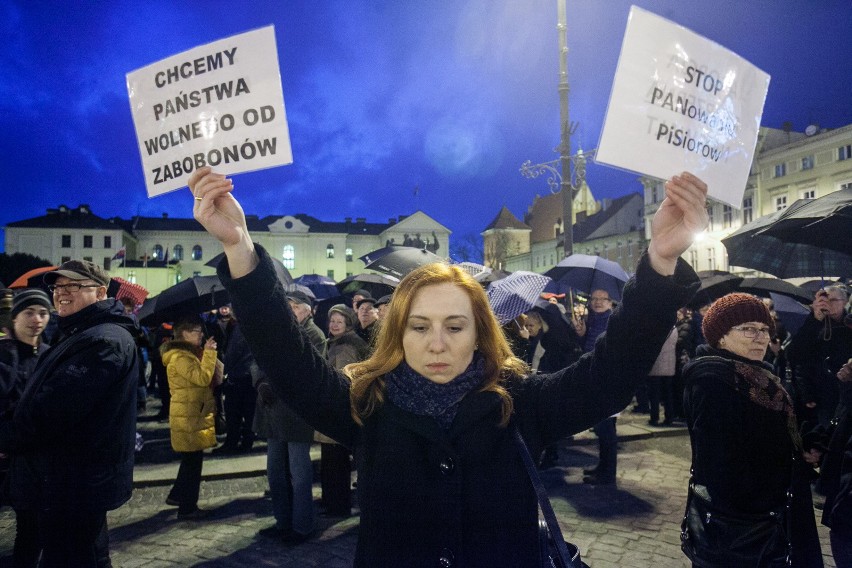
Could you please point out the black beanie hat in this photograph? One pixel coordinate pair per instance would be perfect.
(732, 310)
(29, 297)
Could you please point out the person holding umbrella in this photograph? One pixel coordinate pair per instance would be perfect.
(434, 410)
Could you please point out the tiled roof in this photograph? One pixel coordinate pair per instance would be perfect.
(505, 219)
(592, 223)
(66, 218)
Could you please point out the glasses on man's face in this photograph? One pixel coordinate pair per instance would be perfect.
(594, 299)
(71, 288)
(752, 332)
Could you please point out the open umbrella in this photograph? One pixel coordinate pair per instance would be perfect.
(398, 260)
(322, 286)
(825, 223)
(32, 278)
(764, 286)
(377, 285)
(191, 296)
(791, 313)
(750, 247)
(299, 288)
(586, 273)
(515, 294)
(714, 285)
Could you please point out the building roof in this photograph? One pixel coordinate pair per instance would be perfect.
(64, 217)
(584, 228)
(505, 219)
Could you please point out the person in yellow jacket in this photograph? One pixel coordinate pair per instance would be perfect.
(192, 410)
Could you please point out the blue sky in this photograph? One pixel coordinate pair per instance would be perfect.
(448, 96)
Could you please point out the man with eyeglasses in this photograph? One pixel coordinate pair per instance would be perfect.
(818, 350)
(74, 428)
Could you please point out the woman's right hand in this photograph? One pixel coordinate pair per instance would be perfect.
(221, 215)
(210, 344)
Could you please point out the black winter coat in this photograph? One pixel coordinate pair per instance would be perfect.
(743, 452)
(461, 497)
(74, 429)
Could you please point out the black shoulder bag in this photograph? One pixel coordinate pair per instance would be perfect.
(555, 552)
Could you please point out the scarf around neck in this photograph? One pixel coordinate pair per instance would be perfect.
(413, 392)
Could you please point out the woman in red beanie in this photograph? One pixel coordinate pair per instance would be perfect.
(749, 501)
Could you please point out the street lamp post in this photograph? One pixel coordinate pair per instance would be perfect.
(566, 182)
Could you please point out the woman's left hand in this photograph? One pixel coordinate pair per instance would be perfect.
(681, 216)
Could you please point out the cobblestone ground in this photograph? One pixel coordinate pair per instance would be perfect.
(636, 524)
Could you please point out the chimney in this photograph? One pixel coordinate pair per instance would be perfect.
(84, 209)
(348, 220)
(360, 220)
(165, 215)
(392, 221)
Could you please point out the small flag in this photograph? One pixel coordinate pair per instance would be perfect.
(166, 256)
(120, 254)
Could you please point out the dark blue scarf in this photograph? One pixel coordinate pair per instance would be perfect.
(411, 391)
(595, 325)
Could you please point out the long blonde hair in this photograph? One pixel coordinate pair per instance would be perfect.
(367, 392)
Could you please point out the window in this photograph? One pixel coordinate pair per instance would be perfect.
(348, 255)
(329, 251)
(196, 273)
(693, 259)
(87, 241)
(710, 217)
(177, 252)
(845, 186)
(330, 273)
(157, 252)
(711, 258)
(66, 241)
(809, 194)
(65, 259)
(844, 152)
(808, 162)
(288, 257)
(629, 248)
(619, 250)
(780, 170)
(131, 277)
(107, 263)
(780, 202)
(654, 196)
(107, 242)
(88, 258)
(748, 210)
(606, 251)
(727, 216)
(196, 252)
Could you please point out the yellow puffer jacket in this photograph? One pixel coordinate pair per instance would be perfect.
(192, 410)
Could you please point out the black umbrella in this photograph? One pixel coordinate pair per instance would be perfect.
(377, 285)
(398, 260)
(188, 297)
(791, 313)
(825, 223)
(322, 286)
(587, 273)
(751, 248)
(714, 285)
(763, 286)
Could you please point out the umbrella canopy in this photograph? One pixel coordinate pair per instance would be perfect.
(191, 296)
(398, 261)
(750, 247)
(515, 294)
(764, 286)
(377, 285)
(586, 273)
(714, 285)
(120, 288)
(299, 288)
(816, 284)
(321, 286)
(825, 223)
(791, 313)
(32, 278)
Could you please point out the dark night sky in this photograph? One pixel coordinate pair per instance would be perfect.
(449, 96)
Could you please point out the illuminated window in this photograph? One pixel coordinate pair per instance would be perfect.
(808, 162)
(780, 170)
(348, 255)
(288, 257)
(196, 252)
(329, 251)
(157, 252)
(727, 216)
(748, 210)
(780, 202)
(177, 253)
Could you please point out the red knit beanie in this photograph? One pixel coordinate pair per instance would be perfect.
(732, 310)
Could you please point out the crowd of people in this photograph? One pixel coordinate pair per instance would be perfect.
(420, 392)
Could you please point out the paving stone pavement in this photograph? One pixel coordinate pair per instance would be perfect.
(633, 525)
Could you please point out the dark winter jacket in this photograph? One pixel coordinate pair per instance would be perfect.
(742, 452)
(459, 497)
(74, 429)
(560, 342)
(17, 361)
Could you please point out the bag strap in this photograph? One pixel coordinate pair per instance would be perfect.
(543, 500)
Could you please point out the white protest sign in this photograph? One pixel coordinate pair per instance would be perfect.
(682, 102)
(218, 105)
